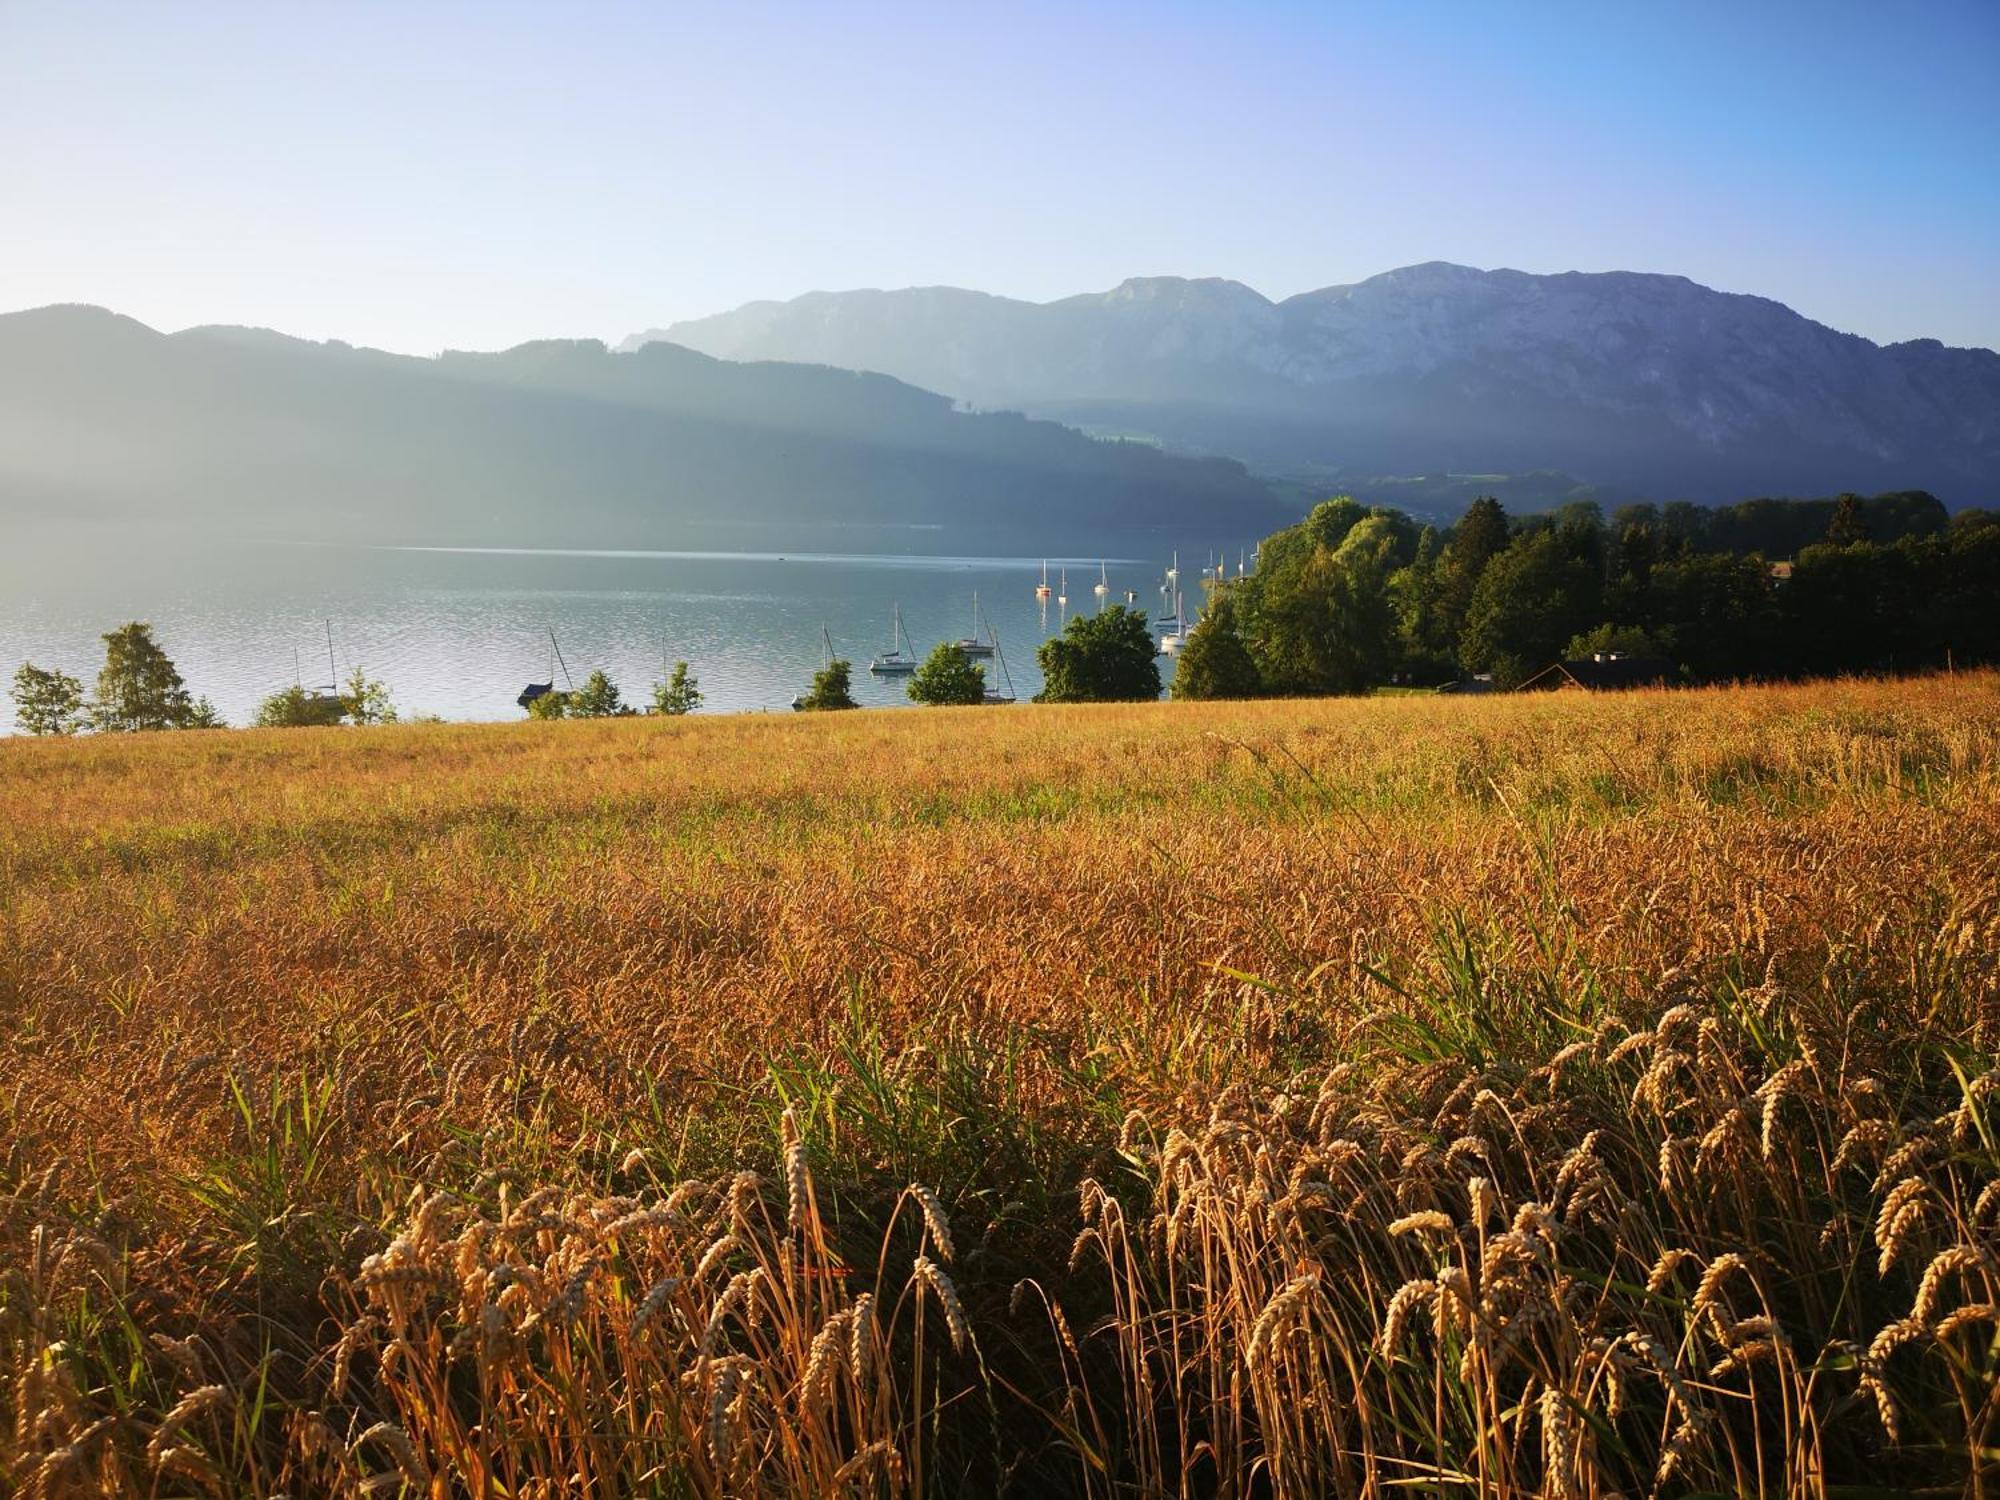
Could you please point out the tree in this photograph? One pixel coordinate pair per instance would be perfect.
(679, 694)
(1848, 525)
(1328, 523)
(1423, 649)
(1213, 661)
(139, 687)
(365, 701)
(1101, 658)
(48, 702)
(831, 687)
(1580, 529)
(295, 708)
(550, 705)
(947, 677)
(1319, 619)
(1479, 537)
(1716, 613)
(1531, 600)
(596, 699)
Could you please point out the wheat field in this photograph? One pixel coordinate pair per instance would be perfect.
(1562, 1095)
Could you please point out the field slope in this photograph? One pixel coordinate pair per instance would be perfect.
(1562, 1095)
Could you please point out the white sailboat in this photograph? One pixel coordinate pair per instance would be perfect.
(993, 694)
(1102, 586)
(977, 644)
(826, 660)
(1042, 589)
(1062, 595)
(898, 660)
(1173, 632)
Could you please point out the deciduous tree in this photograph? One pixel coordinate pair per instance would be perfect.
(1213, 661)
(1100, 658)
(48, 702)
(680, 694)
(947, 677)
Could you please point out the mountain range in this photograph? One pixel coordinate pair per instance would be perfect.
(1642, 383)
(553, 444)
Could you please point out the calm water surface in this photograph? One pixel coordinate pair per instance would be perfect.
(458, 632)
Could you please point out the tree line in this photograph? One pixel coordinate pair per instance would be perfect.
(140, 688)
(1353, 598)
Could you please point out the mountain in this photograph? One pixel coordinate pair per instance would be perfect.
(1643, 383)
(555, 443)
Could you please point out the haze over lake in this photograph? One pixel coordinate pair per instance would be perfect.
(458, 632)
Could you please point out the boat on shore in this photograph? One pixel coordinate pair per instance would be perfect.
(538, 690)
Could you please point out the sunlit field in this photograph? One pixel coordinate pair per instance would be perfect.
(1566, 1095)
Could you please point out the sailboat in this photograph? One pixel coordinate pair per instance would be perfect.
(1062, 594)
(1042, 589)
(976, 644)
(825, 661)
(898, 660)
(536, 690)
(325, 702)
(994, 694)
(1173, 632)
(1102, 586)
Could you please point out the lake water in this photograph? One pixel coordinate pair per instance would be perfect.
(458, 632)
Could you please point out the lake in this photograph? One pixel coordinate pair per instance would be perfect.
(457, 632)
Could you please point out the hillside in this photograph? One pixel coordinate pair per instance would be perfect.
(1646, 384)
(559, 443)
(1303, 1095)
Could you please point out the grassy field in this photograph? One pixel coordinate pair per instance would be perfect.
(1561, 1095)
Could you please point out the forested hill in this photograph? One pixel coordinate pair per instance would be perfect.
(1637, 384)
(559, 443)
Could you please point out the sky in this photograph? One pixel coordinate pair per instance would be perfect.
(420, 176)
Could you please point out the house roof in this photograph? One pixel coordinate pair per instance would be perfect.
(1607, 669)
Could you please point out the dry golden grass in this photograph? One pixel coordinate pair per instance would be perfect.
(1565, 1095)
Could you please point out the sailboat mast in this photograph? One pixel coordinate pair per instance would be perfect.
(1006, 676)
(568, 681)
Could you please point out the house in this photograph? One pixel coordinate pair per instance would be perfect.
(1603, 671)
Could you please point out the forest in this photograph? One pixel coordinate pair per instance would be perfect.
(1353, 599)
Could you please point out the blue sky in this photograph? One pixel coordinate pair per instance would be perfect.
(422, 176)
